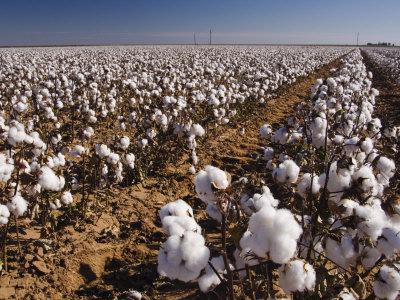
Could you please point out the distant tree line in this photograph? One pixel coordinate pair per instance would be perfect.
(383, 44)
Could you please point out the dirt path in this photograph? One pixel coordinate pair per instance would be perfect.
(116, 248)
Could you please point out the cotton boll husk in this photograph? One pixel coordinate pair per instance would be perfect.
(4, 214)
(297, 275)
(176, 208)
(177, 225)
(387, 284)
(17, 206)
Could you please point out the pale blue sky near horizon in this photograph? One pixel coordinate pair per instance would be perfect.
(71, 22)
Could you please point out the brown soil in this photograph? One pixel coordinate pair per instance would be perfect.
(115, 248)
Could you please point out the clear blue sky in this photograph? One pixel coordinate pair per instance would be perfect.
(41, 22)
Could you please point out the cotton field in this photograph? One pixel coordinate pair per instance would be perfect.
(108, 151)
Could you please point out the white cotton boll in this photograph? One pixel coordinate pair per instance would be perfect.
(369, 257)
(258, 201)
(17, 206)
(183, 257)
(338, 139)
(265, 131)
(113, 158)
(130, 160)
(286, 172)
(6, 167)
(297, 275)
(372, 220)
(48, 180)
(213, 212)
(268, 153)
(367, 145)
(304, 185)
(387, 284)
(272, 232)
(192, 170)
(346, 295)
(334, 252)
(210, 279)
(386, 167)
(349, 206)
(66, 198)
(104, 170)
(389, 242)
(102, 150)
(177, 225)
(197, 130)
(365, 176)
(208, 178)
(16, 134)
(178, 208)
(55, 205)
(124, 143)
(143, 143)
(280, 136)
(77, 151)
(4, 214)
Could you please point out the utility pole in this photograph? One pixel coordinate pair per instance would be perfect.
(210, 36)
(194, 38)
(357, 37)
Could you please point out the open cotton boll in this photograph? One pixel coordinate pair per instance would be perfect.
(372, 220)
(66, 198)
(387, 283)
(213, 212)
(265, 131)
(16, 134)
(4, 214)
(259, 201)
(272, 233)
(365, 176)
(297, 275)
(6, 167)
(386, 167)
(367, 145)
(77, 151)
(48, 180)
(177, 225)
(130, 160)
(124, 143)
(192, 170)
(209, 280)
(17, 206)
(342, 253)
(369, 257)
(286, 172)
(208, 178)
(346, 295)
(268, 153)
(183, 257)
(304, 185)
(102, 150)
(389, 241)
(55, 205)
(197, 130)
(178, 208)
(113, 158)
